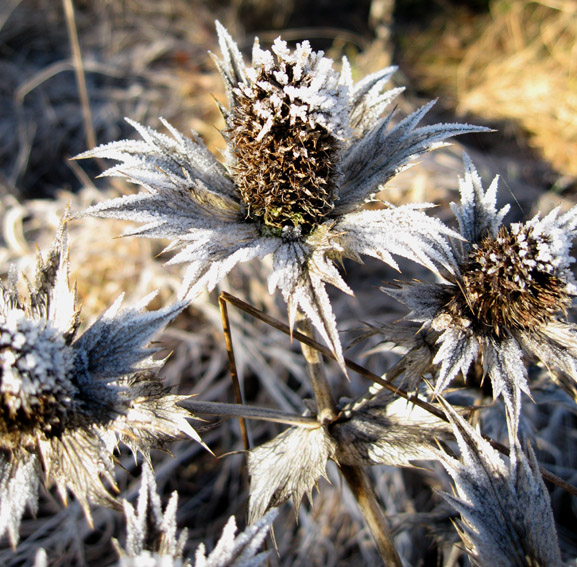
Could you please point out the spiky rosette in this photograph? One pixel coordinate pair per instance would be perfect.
(506, 516)
(64, 399)
(505, 298)
(306, 149)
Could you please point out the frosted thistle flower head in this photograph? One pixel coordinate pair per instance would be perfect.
(506, 296)
(152, 541)
(67, 400)
(306, 148)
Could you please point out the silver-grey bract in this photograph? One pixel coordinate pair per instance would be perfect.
(306, 149)
(151, 539)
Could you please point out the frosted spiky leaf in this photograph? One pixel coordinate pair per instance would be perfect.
(303, 156)
(288, 467)
(367, 434)
(506, 516)
(151, 538)
(239, 551)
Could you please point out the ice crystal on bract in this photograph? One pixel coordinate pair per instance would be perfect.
(67, 400)
(506, 516)
(306, 148)
(504, 298)
(152, 540)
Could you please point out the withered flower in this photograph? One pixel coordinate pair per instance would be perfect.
(306, 148)
(506, 296)
(67, 400)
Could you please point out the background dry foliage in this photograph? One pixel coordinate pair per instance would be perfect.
(512, 64)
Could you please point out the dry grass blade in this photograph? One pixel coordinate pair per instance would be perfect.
(79, 70)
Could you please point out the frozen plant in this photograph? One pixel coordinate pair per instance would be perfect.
(151, 539)
(503, 297)
(306, 149)
(66, 400)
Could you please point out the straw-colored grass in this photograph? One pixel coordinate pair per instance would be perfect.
(518, 62)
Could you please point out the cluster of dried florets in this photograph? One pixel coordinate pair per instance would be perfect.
(306, 149)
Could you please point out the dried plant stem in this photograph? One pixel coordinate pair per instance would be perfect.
(355, 477)
(249, 412)
(254, 312)
(79, 70)
(304, 339)
(232, 367)
(372, 512)
(326, 407)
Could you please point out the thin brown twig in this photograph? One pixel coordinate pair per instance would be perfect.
(355, 477)
(257, 314)
(232, 368)
(79, 71)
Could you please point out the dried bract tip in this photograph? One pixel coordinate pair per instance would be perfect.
(152, 542)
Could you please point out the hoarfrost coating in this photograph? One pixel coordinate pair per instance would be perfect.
(66, 401)
(505, 296)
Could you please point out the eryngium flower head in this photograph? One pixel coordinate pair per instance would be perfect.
(66, 401)
(506, 295)
(305, 150)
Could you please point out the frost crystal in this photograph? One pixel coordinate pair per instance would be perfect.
(64, 398)
(306, 148)
(152, 541)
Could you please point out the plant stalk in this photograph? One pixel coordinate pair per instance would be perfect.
(360, 486)
(355, 477)
(326, 407)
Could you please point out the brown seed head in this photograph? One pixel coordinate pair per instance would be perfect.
(508, 283)
(284, 161)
